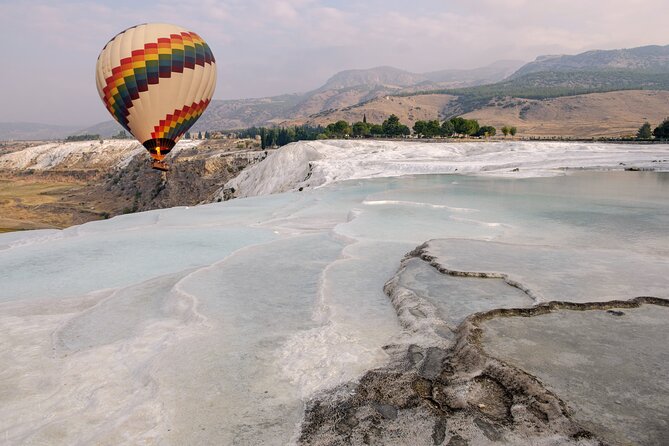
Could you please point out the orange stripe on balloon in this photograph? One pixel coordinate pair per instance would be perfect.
(172, 126)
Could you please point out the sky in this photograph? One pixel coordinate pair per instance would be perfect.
(265, 48)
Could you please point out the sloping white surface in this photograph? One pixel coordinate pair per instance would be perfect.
(79, 154)
(309, 164)
(213, 324)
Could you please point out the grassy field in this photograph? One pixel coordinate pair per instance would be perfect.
(27, 203)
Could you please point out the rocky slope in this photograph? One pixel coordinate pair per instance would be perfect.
(196, 174)
(61, 184)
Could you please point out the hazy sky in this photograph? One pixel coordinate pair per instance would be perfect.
(270, 47)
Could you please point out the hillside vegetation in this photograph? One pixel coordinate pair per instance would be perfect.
(546, 85)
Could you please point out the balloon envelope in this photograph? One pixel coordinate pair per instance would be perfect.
(156, 80)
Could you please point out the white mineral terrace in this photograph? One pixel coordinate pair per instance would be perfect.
(215, 324)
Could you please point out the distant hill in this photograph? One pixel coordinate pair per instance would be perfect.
(643, 68)
(344, 89)
(597, 93)
(478, 76)
(554, 84)
(354, 93)
(611, 114)
(105, 129)
(26, 131)
(649, 59)
(379, 76)
(33, 131)
(409, 109)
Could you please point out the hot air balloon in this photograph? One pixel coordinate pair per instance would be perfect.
(156, 80)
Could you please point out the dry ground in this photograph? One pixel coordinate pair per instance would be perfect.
(39, 202)
(613, 114)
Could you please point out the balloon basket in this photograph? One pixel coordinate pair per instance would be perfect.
(160, 165)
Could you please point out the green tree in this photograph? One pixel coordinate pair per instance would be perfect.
(459, 125)
(506, 130)
(187, 135)
(269, 137)
(513, 131)
(343, 128)
(338, 129)
(662, 130)
(428, 129)
(199, 135)
(360, 129)
(432, 128)
(645, 131)
(471, 127)
(282, 137)
(486, 131)
(447, 128)
(419, 128)
(207, 135)
(364, 118)
(393, 127)
(464, 126)
(376, 129)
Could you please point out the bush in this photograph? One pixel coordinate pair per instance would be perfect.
(662, 130)
(644, 131)
(486, 130)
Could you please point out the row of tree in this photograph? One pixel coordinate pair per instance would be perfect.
(390, 128)
(457, 126)
(280, 136)
(83, 137)
(206, 135)
(660, 132)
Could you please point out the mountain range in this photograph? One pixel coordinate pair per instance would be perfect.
(344, 89)
(650, 59)
(379, 91)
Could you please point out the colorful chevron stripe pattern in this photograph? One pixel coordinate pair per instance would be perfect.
(175, 124)
(156, 80)
(147, 65)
